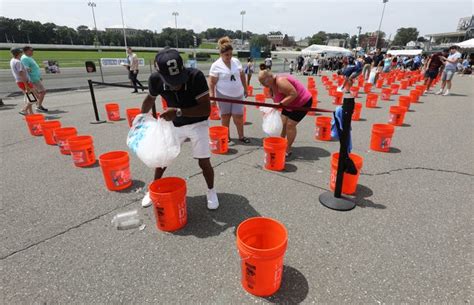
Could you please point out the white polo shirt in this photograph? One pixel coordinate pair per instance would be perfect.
(228, 82)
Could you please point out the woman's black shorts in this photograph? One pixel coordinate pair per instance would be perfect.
(298, 115)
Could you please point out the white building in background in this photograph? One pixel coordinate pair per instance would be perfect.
(276, 40)
(336, 42)
(415, 45)
(119, 29)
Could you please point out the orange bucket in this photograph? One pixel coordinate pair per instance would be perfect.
(34, 123)
(357, 110)
(61, 135)
(397, 115)
(314, 104)
(349, 183)
(249, 90)
(169, 203)
(218, 139)
(131, 114)
(275, 149)
(395, 88)
(367, 88)
(323, 128)
(113, 112)
(355, 91)
(386, 93)
(48, 128)
(214, 113)
(164, 103)
(422, 88)
(381, 137)
(403, 84)
(115, 167)
(371, 100)
(415, 95)
(379, 83)
(404, 101)
(262, 244)
(338, 98)
(82, 150)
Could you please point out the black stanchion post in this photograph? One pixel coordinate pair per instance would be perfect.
(153, 110)
(94, 104)
(336, 201)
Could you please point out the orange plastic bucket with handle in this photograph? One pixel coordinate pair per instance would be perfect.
(404, 101)
(219, 139)
(48, 127)
(381, 137)
(371, 100)
(349, 183)
(395, 88)
(415, 95)
(33, 121)
(338, 98)
(314, 103)
(404, 84)
(113, 112)
(322, 131)
(61, 135)
(379, 83)
(115, 167)
(367, 88)
(386, 93)
(169, 203)
(355, 91)
(397, 115)
(275, 150)
(266, 92)
(131, 114)
(357, 111)
(215, 116)
(262, 243)
(82, 150)
(164, 103)
(249, 90)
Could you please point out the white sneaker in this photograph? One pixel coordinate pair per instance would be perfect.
(439, 92)
(212, 200)
(146, 201)
(446, 93)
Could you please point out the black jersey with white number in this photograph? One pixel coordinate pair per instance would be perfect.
(186, 97)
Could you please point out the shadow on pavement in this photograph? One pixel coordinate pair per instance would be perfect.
(361, 198)
(204, 223)
(290, 168)
(394, 150)
(57, 111)
(136, 184)
(308, 154)
(294, 288)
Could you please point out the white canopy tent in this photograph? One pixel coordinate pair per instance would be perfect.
(405, 52)
(467, 44)
(328, 51)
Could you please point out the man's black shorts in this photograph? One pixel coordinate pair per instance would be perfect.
(297, 116)
(431, 73)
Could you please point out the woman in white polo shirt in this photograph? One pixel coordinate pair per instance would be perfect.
(227, 80)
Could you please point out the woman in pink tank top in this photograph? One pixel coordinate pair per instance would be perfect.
(287, 91)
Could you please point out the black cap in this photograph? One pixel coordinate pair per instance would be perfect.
(170, 67)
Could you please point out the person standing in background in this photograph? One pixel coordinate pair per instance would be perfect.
(249, 69)
(133, 70)
(21, 78)
(450, 66)
(34, 74)
(315, 65)
(227, 80)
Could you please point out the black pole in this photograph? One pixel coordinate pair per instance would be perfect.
(336, 201)
(153, 110)
(94, 104)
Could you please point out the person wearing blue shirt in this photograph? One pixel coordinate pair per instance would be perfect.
(34, 73)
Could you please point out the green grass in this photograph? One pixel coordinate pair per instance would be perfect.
(75, 58)
(208, 45)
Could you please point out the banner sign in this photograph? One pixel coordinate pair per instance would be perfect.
(109, 62)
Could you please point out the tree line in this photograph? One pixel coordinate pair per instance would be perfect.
(27, 31)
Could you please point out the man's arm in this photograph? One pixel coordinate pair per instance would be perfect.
(203, 108)
(148, 102)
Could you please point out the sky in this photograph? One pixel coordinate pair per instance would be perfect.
(295, 18)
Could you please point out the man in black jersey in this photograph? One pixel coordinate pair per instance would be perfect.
(187, 94)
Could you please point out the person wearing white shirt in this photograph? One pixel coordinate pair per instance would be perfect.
(227, 80)
(315, 65)
(449, 69)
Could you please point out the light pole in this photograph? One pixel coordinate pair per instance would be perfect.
(92, 5)
(176, 14)
(123, 27)
(380, 24)
(242, 37)
(358, 35)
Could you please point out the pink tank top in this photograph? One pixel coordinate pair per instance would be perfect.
(303, 94)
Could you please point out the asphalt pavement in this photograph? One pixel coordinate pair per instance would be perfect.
(409, 239)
